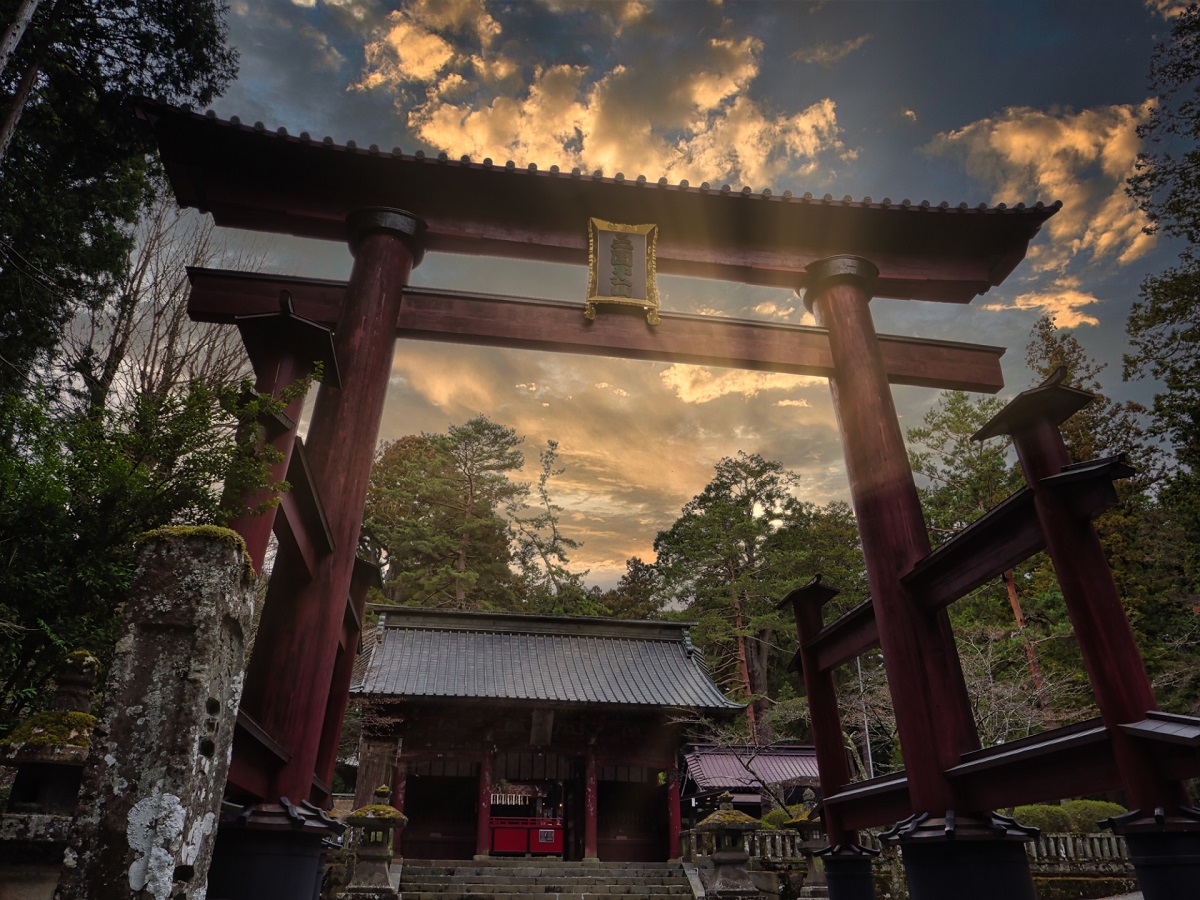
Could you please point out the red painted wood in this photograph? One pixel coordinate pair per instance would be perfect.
(1110, 654)
(483, 825)
(287, 185)
(399, 785)
(674, 820)
(847, 637)
(290, 673)
(832, 766)
(522, 323)
(275, 368)
(590, 804)
(343, 672)
(933, 713)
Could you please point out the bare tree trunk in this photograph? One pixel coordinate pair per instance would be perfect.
(20, 98)
(12, 35)
(1035, 671)
(743, 666)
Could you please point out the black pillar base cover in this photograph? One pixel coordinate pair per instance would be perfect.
(849, 877)
(975, 869)
(250, 865)
(1167, 863)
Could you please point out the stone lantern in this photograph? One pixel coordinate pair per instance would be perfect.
(811, 842)
(731, 876)
(375, 826)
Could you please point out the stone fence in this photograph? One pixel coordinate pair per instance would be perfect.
(1050, 854)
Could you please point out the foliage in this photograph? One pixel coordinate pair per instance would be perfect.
(78, 168)
(454, 529)
(1049, 818)
(1164, 324)
(542, 550)
(638, 595)
(1086, 815)
(713, 560)
(76, 491)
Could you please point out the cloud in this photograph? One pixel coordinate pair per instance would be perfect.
(1168, 9)
(826, 54)
(699, 384)
(1081, 158)
(650, 101)
(909, 115)
(774, 310)
(1063, 302)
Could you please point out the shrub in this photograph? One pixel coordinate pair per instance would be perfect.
(1049, 818)
(1086, 814)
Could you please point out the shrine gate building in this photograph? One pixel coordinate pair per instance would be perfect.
(533, 735)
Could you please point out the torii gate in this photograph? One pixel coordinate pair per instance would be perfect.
(392, 207)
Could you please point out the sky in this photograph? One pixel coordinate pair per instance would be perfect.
(960, 100)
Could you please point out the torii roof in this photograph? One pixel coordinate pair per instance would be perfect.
(260, 179)
(426, 654)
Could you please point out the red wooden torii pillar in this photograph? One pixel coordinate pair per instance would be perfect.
(933, 711)
(303, 652)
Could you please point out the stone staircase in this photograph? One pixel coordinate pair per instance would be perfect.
(548, 879)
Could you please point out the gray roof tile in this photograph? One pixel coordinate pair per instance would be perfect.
(431, 653)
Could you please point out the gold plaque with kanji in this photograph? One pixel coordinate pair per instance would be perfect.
(621, 267)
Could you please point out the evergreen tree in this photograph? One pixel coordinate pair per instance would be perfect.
(713, 560)
(1164, 324)
(435, 508)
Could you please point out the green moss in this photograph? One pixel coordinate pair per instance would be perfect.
(378, 811)
(54, 727)
(82, 659)
(172, 533)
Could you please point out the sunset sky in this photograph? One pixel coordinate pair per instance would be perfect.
(959, 100)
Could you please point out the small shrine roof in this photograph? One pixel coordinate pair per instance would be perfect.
(426, 654)
(716, 768)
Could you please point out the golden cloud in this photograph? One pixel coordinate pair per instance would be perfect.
(1168, 9)
(1080, 158)
(700, 384)
(683, 111)
(1063, 303)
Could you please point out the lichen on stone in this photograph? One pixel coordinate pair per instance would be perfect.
(60, 727)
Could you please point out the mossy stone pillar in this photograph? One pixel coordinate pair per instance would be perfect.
(152, 784)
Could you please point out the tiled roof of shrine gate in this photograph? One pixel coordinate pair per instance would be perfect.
(715, 768)
(431, 653)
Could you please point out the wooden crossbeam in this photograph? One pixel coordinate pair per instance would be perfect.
(845, 638)
(1075, 759)
(292, 185)
(1009, 534)
(516, 322)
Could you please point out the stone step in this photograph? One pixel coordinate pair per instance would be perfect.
(575, 877)
(458, 894)
(509, 878)
(517, 887)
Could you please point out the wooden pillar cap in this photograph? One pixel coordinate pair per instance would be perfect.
(408, 227)
(835, 269)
